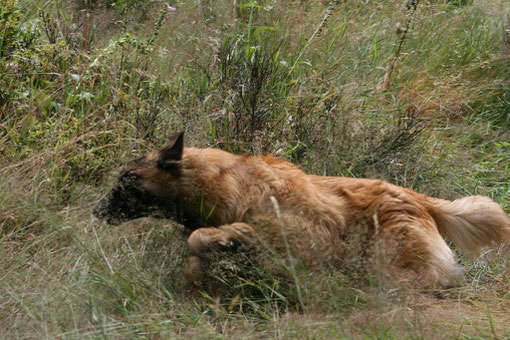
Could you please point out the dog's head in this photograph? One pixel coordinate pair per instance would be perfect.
(147, 186)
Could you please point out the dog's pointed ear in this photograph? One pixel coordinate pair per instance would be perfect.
(171, 154)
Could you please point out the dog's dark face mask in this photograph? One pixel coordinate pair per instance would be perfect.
(135, 195)
(129, 200)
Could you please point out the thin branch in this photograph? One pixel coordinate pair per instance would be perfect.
(413, 5)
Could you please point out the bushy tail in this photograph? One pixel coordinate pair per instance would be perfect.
(472, 222)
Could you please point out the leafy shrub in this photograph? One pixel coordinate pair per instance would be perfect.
(251, 86)
(15, 34)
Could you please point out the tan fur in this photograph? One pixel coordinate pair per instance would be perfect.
(319, 218)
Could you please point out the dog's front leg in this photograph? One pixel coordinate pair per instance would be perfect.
(204, 240)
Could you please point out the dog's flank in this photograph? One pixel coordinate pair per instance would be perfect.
(228, 199)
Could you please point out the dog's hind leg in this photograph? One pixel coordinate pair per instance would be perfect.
(407, 245)
(224, 237)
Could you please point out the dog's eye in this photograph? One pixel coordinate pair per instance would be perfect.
(128, 177)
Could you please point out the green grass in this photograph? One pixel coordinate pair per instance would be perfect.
(302, 80)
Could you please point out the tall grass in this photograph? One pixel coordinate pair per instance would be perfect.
(301, 80)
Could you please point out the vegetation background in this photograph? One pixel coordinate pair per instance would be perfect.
(416, 93)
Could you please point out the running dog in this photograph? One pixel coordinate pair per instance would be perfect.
(226, 200)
